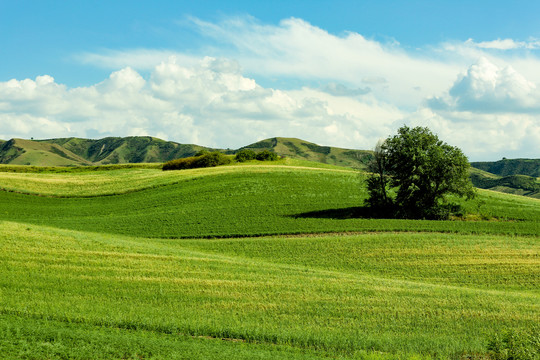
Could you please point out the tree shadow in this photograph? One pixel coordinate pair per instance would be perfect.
(357, 212)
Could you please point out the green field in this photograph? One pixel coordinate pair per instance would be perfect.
(253, 262)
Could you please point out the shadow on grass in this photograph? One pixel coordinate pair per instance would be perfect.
(357, 212)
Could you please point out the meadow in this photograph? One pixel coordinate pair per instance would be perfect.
(253, 261)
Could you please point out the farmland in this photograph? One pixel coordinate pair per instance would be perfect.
(253, 261)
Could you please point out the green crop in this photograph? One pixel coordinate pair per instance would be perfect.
(134, 263)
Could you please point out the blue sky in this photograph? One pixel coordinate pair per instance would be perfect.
(228, 73)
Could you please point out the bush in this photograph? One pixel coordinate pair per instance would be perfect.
(266, 155)
(245, 155)
(207, 160)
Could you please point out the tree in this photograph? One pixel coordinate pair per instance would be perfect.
(424, 170)
(377, 182)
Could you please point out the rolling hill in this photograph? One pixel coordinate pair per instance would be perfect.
(143, 149)
(514, 176)
(301, 149)
(29, 152)
(511, 184)
(506, 167)
(253, 260)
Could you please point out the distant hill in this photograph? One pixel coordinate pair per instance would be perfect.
(511, 184)
(300, 149)
(134, 149)
(29, 152)
(515, 176)
(506, 167)
(81, 152)
(145, 149)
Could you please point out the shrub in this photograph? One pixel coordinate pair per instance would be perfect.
(245, 155)
(266, 155)
(202, 152)
(211, 159)
(207, 160)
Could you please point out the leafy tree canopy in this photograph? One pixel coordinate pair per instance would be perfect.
(422, 169)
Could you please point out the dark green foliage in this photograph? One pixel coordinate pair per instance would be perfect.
(245, 155)
(268, 143)
(318, 149)
(506, 167)
(206, 160)
(424, 170)
(8, 151)
(202, 152)
(513, 345)
(377, 185)
(522, 182)
(295, 149)
(266, 155)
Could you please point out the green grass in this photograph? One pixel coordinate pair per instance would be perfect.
(110, 284)
(231, 201)
(119, 262)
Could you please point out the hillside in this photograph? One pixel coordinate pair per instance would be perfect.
(300, 149)
(145, 149)
(28, 152)
(511, 184)
(134, 149)
(506, 167)
(514, 176)
(277, 261)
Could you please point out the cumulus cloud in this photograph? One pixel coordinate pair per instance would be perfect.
(295, 49)
(353, 90)
(211, 103)
(487, 88)
(489, 111)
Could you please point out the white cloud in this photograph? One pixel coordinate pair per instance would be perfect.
(505, 44)
(348, 91)
(487, 88)
(484, 136)
(295, 49)
(490, 111)
(211, 104)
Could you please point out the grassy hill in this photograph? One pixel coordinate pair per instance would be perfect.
(511, 184)
(507, 167)
(116, 150)
(267, 261)
(143, 149)
(28, 152)
(300, 149)
(508, 176)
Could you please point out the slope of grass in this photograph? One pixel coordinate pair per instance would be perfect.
(91, 181)
(232, 201)
(506, 167)
(88, 268)
(26, 152)
(511, 184)
(151, 295)
(305, 150)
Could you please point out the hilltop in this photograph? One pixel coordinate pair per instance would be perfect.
(145, 149)
(506, 167)
(514, 176)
